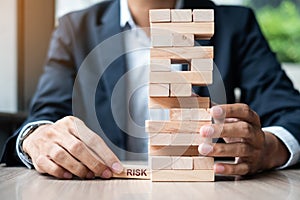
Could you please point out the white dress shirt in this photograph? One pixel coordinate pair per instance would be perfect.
(138, 63)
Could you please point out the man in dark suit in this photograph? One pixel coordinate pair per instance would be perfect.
(72, 130)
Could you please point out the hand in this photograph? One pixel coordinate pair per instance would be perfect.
(69, 148)
(253, 149)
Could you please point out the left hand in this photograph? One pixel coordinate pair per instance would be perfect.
(253, 149)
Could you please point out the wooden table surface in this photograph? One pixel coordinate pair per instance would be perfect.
(25, 184)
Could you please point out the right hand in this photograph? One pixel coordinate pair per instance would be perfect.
(68, 147)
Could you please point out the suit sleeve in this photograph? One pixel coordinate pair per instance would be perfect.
(53, 97)
(264, 85)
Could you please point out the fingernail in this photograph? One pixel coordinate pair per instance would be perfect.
(219, 169)
(90, 175)
(117, 167)
(206, 131)
(217, 111)
(106, 174)
(68, 175)
(204, 148)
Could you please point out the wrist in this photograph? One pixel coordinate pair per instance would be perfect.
(276, 154)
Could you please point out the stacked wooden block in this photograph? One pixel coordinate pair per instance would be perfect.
(174, 143)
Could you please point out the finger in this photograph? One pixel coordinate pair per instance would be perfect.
(97, 145)
(239, 111)
(225, 150)
(62, 158)
(47, 166)
(82, 153)
(232, 169)
(239, 129)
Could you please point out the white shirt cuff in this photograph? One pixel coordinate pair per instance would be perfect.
(24, 131)
(290, 142)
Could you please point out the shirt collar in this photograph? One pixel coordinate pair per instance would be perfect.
(125, 15)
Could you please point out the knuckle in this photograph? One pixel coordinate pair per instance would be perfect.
(58, 155)
(246, 109)
(98, 168)
(57, 171)
(39, 161)
(219, 149)
(244, 149)
(246, 127)
(77, 148)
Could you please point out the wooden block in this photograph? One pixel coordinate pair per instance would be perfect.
(134, 172)
(182, 175)
(183, 40)
(157, 139)
(202, 78)
(203, 30)
(173, 151)
(188, 139)
(201, 162)
(203, 15)
(202, 64)
(159, 90)
(182, 162)
(178, 102)
(164, 40)
(182, 53)
(160, 15)
(193, 114)
(180, 90)
(161, 162)
(174, 126)
(160, 65)
(181, 15)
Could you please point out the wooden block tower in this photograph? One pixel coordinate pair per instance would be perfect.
(174, 143)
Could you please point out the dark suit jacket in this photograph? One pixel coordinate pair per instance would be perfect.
(242, 55)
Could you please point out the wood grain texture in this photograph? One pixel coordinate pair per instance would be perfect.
(182, 53)
(23, 183)
(159, 90)
(203, 15)
(180, 90)
(202, 78)
(183, 175)
(178, 102)
(201, 162)
(202, 64)
(173, 151)
(160, 65)
(182, 162)
(160, 15)
(174, 126)
(162, 40)
(188, 139)
(181, 15)
(160, 139)
(192, 114)
(161, 162)
(183, 40)
(204, 30)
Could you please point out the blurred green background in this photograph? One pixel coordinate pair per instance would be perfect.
(280, 23)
